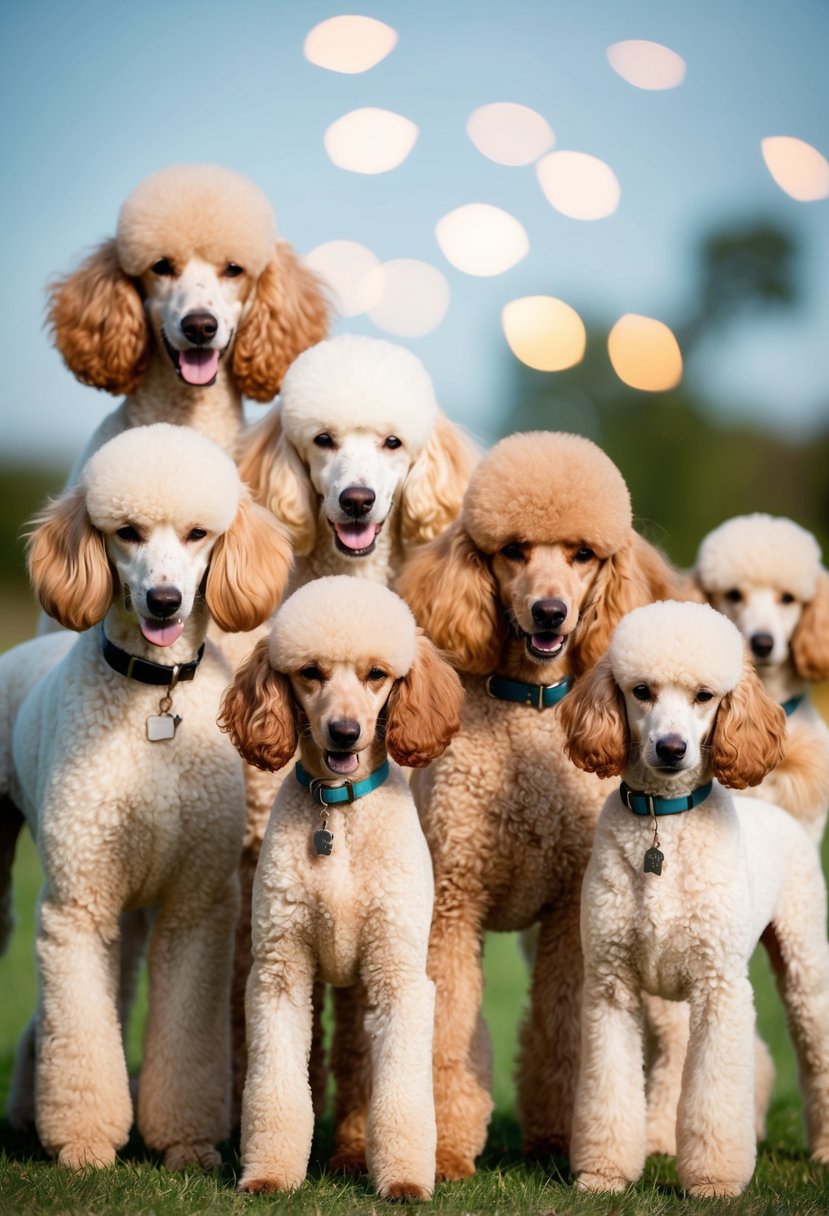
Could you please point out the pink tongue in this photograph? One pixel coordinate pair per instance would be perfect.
(340, 763)
(546, 641)
(356, 536)
(162, 633)
(198, 366)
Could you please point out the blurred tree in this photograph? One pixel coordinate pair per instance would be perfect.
(25, 491)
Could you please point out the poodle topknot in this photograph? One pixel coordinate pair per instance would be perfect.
(768, 550)
(161, 472)
(346, 619)
(195, 210)
(547, 487)
(357, 381)
(684, 643)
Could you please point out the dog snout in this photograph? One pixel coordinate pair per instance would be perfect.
(357, 500)
(549, 614)
(343, 732)
(671, 748)
(163, 601)
(762, 645)
(199, 327)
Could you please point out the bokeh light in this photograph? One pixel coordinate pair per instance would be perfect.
(481, 239)
(543, 332)
(578, 185)
(345, 267)
(647, 65)
(370, 140)
(509, 133)
(349, 44)
(644, 353)
(412, 297)
(797, 167)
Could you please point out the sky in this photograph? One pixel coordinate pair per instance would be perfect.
(98, 93)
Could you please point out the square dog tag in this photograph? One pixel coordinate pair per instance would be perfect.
(161, 726)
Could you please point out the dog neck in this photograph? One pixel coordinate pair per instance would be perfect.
(640, 777)
(121, 628)
(215, 410)
(782, 681)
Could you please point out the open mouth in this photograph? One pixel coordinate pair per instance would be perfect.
(197, 366)
(162, 632)
(355, 539)
(343, 764)
(545, 646)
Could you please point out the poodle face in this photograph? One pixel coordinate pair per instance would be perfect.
(542, 588)
(767, 619)
(669, 725)
(342, 703)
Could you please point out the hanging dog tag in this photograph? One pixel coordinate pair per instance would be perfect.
(323, 841)
(653, 861)
(162, 726)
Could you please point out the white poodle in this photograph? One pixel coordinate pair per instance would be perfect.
(682, 882)
(764, 573)
(134, 796)
(344, 885)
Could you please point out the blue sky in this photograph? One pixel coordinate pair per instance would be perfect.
(98, 93)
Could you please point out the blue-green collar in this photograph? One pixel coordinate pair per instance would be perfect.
(349, 791)
(792, 704)
(652, 804)
(540, 696)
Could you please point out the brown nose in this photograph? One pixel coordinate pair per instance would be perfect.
(762, 645)
(163, 601)
(199, 327)
(671, 749)
(344, 732)
(549, 614)
(357, 500)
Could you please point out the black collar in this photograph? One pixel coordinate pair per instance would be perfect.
(145, 671)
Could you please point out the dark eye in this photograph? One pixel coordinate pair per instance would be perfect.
(583, 554)
(786, 598)
(703, 694)
(163, 267)
(324, 440)
(391, 441)
(311, 672)
(734, 595)
(232, 271)
(129, 533)
(376, 674)
(197, 534)
(513, 552)
(642, 692)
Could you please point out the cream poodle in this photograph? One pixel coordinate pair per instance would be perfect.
(134, 796)
(344, 887)
(764, 572)
(683, 881)
(192, 304)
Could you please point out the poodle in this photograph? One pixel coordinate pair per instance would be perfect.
(344, 886)
(764, 573)
(522, 593)
(134, 796)
(682, 882)
(193, 303)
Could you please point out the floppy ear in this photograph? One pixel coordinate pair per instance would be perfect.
(68, 563)
(636, 574)
(98, 323)
(810, 641)
(279, 480)
(748, 739)
(423, 711)
(434, 488)
(289, 313)
(595, 724)
(259, 713)
(248, 569)
(450, 589)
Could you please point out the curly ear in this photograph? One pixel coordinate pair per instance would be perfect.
(249, 568)
(810, 641)
(434, 488)
(423, 711)
(259, 713)
(68, 563)
(97, 320)
(749, 735)
(595, 724)
(636, 574)
(289, 313)
(450, 589)
(278, 479)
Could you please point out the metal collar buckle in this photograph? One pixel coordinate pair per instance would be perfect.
(317, 786)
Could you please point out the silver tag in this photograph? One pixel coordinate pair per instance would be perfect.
(653, 861)
(162, 726)
(323, 841)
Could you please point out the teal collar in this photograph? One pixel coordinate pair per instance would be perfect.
(540, 696)
(792, 704)
(349, 791)
(652, 804)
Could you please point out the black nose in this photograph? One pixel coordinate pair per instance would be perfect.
(199, 327)
(762, 645)
(163, 601)
(671, 749)
(549, 614)
(357, 500)
(344, 732)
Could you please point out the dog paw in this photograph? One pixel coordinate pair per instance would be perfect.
(199, 1153)
(595, 1182)
(349, 1159)
(259, 1185)
(404, 1192)
(92, 1156)
(451, 1166)
(716, 1188)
